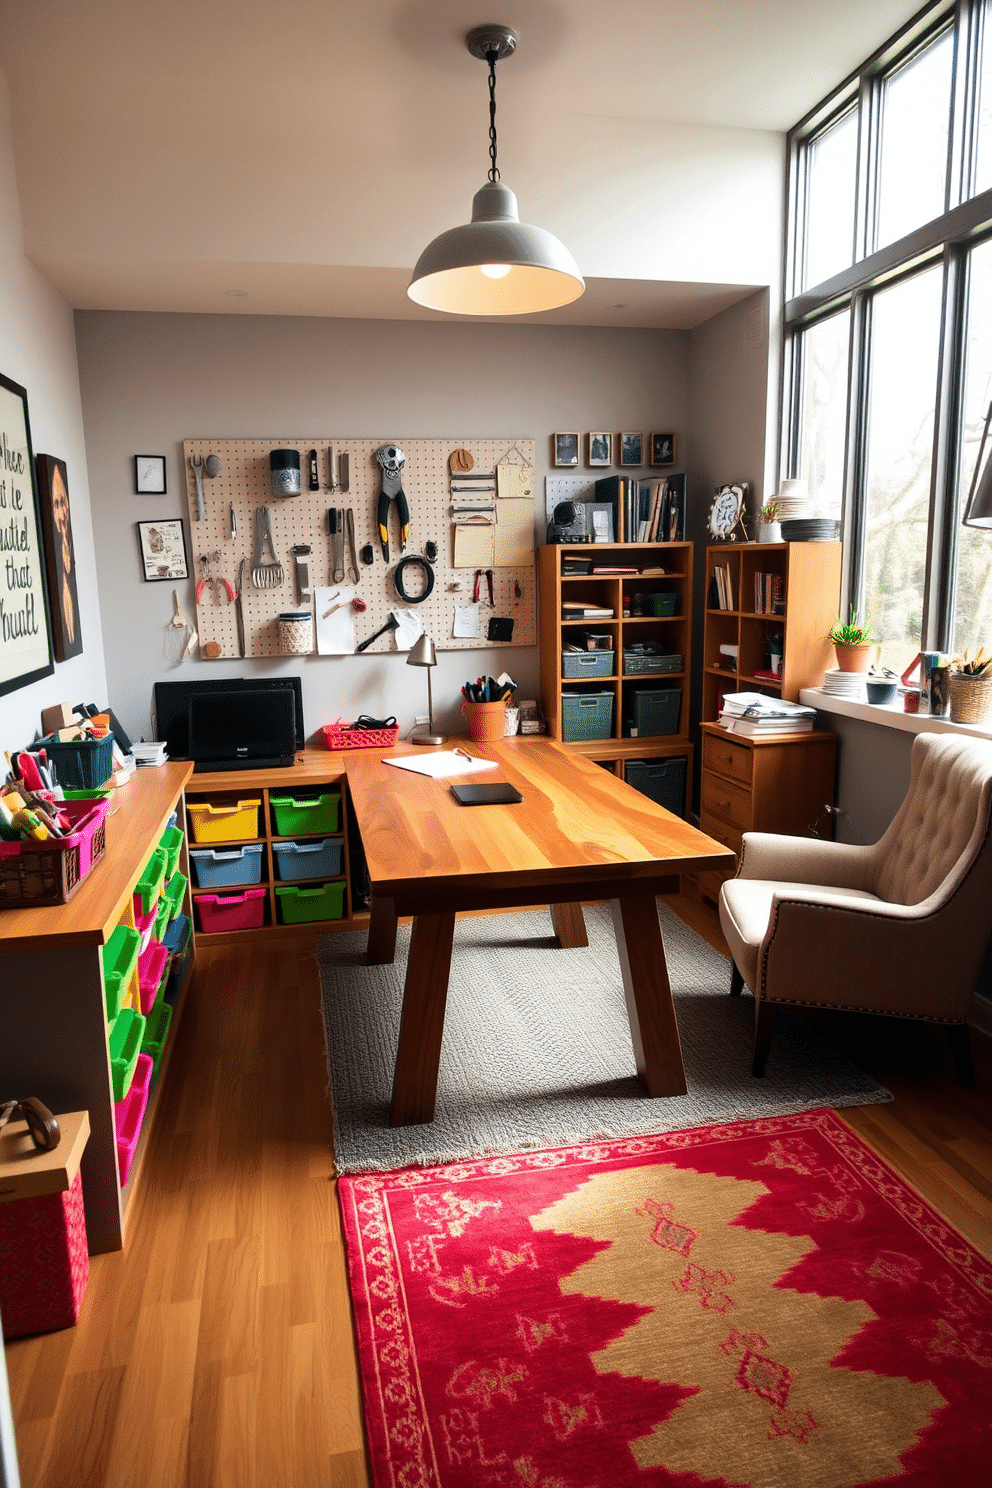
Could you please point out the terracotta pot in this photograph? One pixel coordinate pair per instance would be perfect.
(853, 658)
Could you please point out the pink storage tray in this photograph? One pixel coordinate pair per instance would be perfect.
(150, 968)
(50, 872)
(231, 911)
(130, 1113)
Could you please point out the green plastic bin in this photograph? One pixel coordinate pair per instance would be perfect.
(162, 917)
(654, 710)
(157, 1032)
(661, 779)
(175, 893)
(664, 603)
(149, 885)
(586, 715)
(120, 957)
(171, 844)
(297, 815)
(299, 905)
(125, 1046)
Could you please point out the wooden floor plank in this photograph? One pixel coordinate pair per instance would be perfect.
(217, 1349)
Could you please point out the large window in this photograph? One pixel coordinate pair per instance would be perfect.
(889, 327)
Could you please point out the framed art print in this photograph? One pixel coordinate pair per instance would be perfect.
(600, 451)
(60, 556)
(25, 622)
(662, 449)
(149, 475)
(631, 449)
(566, 449)
(163, 550)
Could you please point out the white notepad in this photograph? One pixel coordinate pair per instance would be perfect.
(440, 766)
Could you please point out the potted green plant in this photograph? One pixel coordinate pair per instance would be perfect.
(971, 687)
(852, 641)
(769, 526)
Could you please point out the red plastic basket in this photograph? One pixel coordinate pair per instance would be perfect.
(347, 736)
(50, 872)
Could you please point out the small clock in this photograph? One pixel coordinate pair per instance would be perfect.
(149, 475)
(726, 512)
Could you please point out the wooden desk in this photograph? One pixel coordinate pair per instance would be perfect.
(580, 833)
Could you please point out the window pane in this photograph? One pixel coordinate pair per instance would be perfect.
(973, 605)
(983, 169)
(823, 412)
(905, 337)
(831, 166)
(916, 106)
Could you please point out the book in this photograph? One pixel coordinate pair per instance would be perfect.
(585, 612)
(756, 729)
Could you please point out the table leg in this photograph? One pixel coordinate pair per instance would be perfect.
(569, 926)
(381, 950)
(654, 1031)
(425, 994)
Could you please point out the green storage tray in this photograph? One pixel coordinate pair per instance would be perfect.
(299, 905)
(149, 885)
(665, 602)
(157, 1032)
(162, 917)
(171, 844)
(175, 893)
(120, 957)
(125, 1046)
(296, 815)
(654, 711)
(586, 715)
(588, 663)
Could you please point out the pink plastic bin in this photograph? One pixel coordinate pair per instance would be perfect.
(150, 968)
(130, 1113)
(231, 911)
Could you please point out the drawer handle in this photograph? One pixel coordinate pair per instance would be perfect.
(724, 804)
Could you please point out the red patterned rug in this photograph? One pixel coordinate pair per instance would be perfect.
(765, 1303)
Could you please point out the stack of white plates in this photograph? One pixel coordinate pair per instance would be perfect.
(793, 501)
(149, 754)
(849, 685)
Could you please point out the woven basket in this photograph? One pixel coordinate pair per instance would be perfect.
(971, 698)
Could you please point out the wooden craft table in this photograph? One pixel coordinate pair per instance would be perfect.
(579, 834)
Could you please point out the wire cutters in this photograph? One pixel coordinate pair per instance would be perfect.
(478, 581)
(391, 460)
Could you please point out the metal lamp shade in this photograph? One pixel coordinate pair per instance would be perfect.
(978, 511)
(449, 274)
(422, 653)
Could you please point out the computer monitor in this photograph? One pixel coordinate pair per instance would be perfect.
(242, 730)
(171, 703)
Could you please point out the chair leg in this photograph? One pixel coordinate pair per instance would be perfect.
(736, 980)
(764, 1020)
(960, 1044)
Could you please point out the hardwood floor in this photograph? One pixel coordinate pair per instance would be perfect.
(216, 1350)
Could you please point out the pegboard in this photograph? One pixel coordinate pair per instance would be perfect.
(244, 483)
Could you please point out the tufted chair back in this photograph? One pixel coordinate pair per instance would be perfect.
(942, 824)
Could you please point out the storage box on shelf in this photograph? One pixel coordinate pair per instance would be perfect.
(783, 598)
(640, 621)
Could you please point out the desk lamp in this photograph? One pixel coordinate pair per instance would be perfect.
(978, 508)
(423, 654)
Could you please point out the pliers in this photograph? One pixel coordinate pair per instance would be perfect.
(391, 459)
(478, 580)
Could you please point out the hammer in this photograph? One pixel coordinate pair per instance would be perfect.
(389, 625)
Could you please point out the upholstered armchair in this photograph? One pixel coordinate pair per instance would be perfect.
(899, 927)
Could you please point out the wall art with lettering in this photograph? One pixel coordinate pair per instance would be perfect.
(25, 627)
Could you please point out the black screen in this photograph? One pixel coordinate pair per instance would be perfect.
(172, 706)
(242, 727)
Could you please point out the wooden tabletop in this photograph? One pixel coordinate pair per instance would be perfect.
(312, 766)
(579, 832)
(138, 814)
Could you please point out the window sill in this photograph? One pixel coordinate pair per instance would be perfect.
(891, 715)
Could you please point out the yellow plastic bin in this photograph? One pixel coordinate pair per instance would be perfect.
(212, 823)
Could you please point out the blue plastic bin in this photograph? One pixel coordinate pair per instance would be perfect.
(308, 859)
(215, 868)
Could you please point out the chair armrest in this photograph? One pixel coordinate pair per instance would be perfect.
(839, 865)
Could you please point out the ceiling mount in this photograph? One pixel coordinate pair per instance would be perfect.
(482, 40)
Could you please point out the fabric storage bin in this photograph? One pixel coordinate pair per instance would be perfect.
(120, 959)
(83, 764)
(125, 1046)
(661, 779)
(586, 715)
(171, 844)
(664, 602)
(175, 892)
(297, 815)
(298, 906)
(654, 711)
(44, 1254)
(149, 885)
(587, 663)
(156, 1033)
(210, 823)
(308, 859)
(129, 1114)
(150, 968)
(215, 869)
(231, 911)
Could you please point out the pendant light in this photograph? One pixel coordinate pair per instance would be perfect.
(495, 264)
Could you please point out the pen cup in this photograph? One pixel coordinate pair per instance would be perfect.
(486, 721)
(512, 721)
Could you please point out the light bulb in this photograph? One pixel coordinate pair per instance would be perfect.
(495, 271)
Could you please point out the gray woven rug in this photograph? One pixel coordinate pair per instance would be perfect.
(537, 1046)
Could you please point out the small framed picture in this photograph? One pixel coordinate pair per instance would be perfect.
(600, 450)
(566, 449)
(149, 475)
(163, 549)
(631, 449)
(662, 449)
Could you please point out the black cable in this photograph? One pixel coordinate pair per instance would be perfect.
(413, 560)
(492, 57)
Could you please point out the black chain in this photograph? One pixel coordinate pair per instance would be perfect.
(491, 58)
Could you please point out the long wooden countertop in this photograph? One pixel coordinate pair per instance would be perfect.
(139, 812)
(314, 766)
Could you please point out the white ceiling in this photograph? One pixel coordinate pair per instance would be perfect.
(294, 156)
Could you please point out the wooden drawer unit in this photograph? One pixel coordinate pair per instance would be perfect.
(728, 802)
(727, 757)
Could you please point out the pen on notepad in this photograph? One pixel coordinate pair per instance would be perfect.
(463, 754)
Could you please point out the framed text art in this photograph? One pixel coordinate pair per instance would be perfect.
(163, 549)
(25, 631)
(60, 557)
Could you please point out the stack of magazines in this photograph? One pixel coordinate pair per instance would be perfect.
(757, 715)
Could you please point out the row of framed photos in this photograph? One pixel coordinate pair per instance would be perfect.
(614, 449)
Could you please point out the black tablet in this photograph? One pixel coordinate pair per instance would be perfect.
(493, 793)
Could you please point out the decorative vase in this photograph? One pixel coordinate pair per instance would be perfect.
(853, 658)
(971, 698)
(769, 532)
